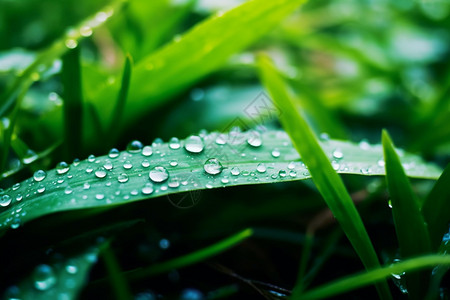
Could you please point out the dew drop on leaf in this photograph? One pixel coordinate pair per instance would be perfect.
(108, 165)
(134, 146)
(41, 188)
(213, 166)
(5, 200)
(122, 178)
(194, 144)
(127, 165)
(221, 139)
(44, 277)
(158, 174)
(261, 168)
(147, 151)
(113, 153)
(145, 163)
(235, 171)
(174, 143)
(337, 154)
(147, 189)
(254, 139)
(91, 158)
(100, 172)
(39, 175)
(276, 153)
(62, 168)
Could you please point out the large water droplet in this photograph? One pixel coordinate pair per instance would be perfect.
(113, 153)
(62, 168)
(235, 171)
(39, 175)
(174, 143)
(44, 277)
(261, 168)
(194, 144)
(213, 166)
(134, 146)
(5, 200)
(100, 172)
(158, 174)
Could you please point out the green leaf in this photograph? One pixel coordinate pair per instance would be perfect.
(79, 187)
(436, 208)
(325, 178)
(364, 279)
(200, 51)
(409, 223)
(59, 280)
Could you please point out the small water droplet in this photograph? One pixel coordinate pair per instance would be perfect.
(381, 162)
(337, 154)
(39, 175)
(62, 168)
(225, 180)
(173, 163)
(127, 165)
(221, 139)
(366, 171)
(235, 171)
(254, 139)
(282, 173)
(174, 143)
(86, 31)
(173, 183)
(276, 153)
(86, 186)
(158, 174)
(5, 200)
(68, 190)
(99, 196)
(135, 146)
(390, 203)
(100, 172)
(213, 166)
(164, 244)
(145, 163)
(364, 145)
(71, 268)
(261, 168)
(147, 151)
(194, 144)
(113, 153)
(108, 165)
(44, 277)
(76, 162)
(19, 197)
(335, 165)
(324, 137)
(16, 186)
(71, 43)
(147, 189)
(122, 178)
(91, 158)
(41, 189)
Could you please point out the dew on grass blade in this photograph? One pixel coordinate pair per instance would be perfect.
(39, 175)
(134, 146)
(100, 173)
(5, 200)
(147, 151)
(62, 168)
(158, 174)
(174, 143)
(194, 144)
(213, 166)
(113, 153)
(44, 277)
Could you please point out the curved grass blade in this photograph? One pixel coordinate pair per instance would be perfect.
(364, 279)
(200, 51)
(124, 177)
(412, 232)
(73, 103)
(61, 280)
(324, 176)
(436, 208)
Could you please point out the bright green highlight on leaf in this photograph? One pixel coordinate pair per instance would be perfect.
(324, 176)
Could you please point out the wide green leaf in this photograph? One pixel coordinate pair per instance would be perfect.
(123, 177)
(328, 182)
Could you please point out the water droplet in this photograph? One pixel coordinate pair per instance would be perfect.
(337, 154)
(225, 180)
(145, 163)
(158, 174)
(71, 43)
(113, 153)
(44, 277)
(381, 162)
(147, 189)
(221, 139)
(19, 197)
(235, 171)
(173, 163)
(86, 31)
(174, 183)
(194, 144)
(76, 162)
(71, 268)
(5, 200)
(147, 151)
(16, 186)
(30, 156)
(164, 244)
(364, 145)
(86, 186)
(282, 173)
(127, 165)
(213, 166)
(335, 165)
(99, 196)
(122, 178)
(135, 146)
(261, 168)
(324, 137)
(41, 189)
(293, 174)
(108, 165)
(100, 172)
(91, 158)
(254, 139)
(39, 175)
(276, 153)
(390, 203)
(62, 168)
(174, 143)
(68, 190)
(366, 171)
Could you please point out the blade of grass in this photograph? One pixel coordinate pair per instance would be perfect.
(363, 279)
(116, 119)
(436, 208)
(324, 176)
(412, 233)
(73, 103)
(116, 278)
